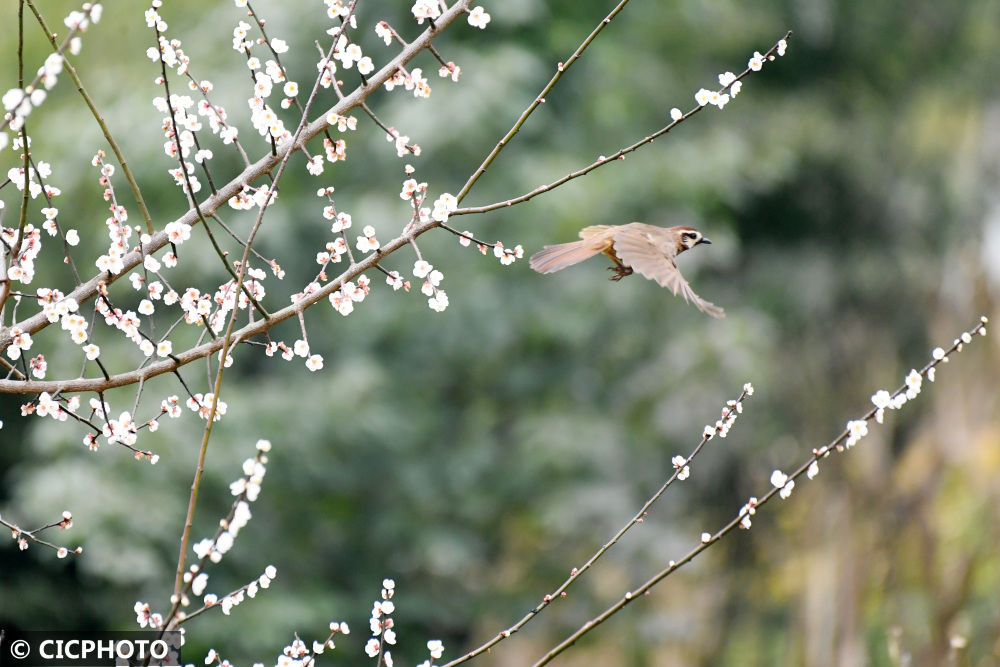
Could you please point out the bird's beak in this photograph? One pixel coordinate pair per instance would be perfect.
(704, 239)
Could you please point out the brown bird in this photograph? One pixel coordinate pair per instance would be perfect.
(648, 249)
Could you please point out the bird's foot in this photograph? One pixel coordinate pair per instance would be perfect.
(619, 272)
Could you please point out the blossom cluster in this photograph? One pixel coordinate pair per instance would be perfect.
(300, 348)
(857, 429)
(20, 341)
(730, 411)
(507, 255)
(781, 481)
(145, 617)
(18, 102)
(426, 9)
(123, 430)
(431, 9)
(402, 143)
(350, 293)
(413, 80)
(35, 180)
(296, 654)
(180, 125)
(246, 490)
(249, 590)
(28, 244)
(438, 298)
(730, 83)
(23, 538)
(716, 98)
(381, 625)
(747, 511)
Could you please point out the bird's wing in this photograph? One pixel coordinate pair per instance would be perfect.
(642, 252)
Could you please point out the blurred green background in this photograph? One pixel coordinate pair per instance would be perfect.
(477, 455)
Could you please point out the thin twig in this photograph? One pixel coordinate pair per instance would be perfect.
(721, 428)
(603, 160)
(223, 527)
(539, 99)
(126, 170)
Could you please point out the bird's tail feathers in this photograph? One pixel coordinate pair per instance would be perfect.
(593, 230)
(555, 257)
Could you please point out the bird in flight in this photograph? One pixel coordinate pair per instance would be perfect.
(650, 250)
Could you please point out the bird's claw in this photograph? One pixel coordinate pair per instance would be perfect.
(619, 272)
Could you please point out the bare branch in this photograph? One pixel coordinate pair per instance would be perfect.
(539, 99)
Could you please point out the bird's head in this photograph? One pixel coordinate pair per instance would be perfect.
(688, 237)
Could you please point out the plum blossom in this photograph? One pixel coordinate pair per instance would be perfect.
(681, 466)
(384, 32)
(425, 9)
(748, 511)
(856, 429)
(368, 242)
(443, 206)
(478, 18)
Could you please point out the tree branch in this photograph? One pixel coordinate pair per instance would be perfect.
(264, 165)
(837, 444)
